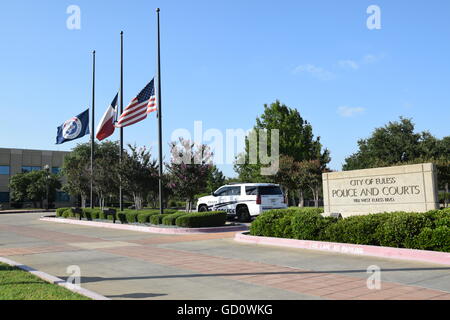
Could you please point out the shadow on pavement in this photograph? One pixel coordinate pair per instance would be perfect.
(207, 275)
(138, 295)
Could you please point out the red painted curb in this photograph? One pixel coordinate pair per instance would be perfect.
(148, 229)
(442, 258)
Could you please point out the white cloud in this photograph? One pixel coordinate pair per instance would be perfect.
(348, 112)
(316, 72)
(372, 58)
(349, 64)
(367, 59)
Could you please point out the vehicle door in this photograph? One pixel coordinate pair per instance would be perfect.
(222, 198)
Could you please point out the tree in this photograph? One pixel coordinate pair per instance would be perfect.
(106, 171)
(189, 169)
(309, 173)
(18, 185)
(296, 140)
(286, 175)
(77, 170)
(139, 174)
(215, 179)
(396, 144)
(35, 186)
(388, 145)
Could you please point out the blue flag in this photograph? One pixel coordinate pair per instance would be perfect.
(73, 128)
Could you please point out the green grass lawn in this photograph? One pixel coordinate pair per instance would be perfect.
(16, 284)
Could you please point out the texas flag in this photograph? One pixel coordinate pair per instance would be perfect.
(106, 125)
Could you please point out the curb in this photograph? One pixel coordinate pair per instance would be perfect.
(54, 280)
(441, 258)
(148, 229)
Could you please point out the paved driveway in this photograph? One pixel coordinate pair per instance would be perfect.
(131, 265)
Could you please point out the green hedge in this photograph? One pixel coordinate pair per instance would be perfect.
(144, 217)
(60, 211)
(170, 219)
(156, 219)
(278, 223)
(428, 231)
(93, 214)
(202, 219)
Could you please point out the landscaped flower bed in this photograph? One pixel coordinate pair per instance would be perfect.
(424, 231)
(171, 218)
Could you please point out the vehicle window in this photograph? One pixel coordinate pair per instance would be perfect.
(234, 191)
(221, 192)
(272, 190)
(228, 191)
(251, 191)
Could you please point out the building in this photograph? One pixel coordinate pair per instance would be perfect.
(13, 161)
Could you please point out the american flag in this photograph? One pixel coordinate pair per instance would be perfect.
(139, 107)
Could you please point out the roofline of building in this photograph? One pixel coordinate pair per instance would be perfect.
(38, 150)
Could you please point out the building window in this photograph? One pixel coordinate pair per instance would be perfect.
(4, 170)
(30, 169)
(56, 170)
(4, 197)
(62, 197)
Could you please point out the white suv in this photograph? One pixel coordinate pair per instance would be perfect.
(244, 200)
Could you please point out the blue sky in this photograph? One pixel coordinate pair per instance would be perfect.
(222, 60)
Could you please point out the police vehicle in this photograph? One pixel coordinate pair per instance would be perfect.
(243, 201)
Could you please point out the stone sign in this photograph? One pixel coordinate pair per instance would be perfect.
(411, 188)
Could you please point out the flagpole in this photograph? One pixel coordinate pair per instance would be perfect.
(92, 129)
(121, 111)
(158, 105)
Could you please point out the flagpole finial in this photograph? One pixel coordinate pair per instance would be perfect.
(121, 32)
(93, 52)
(157, 10)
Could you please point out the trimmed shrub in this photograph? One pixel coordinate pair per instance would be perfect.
(441, 239)
(355, 229)
(131, 216)
(434, 239)
(274, 223)
(67, 213)
(87, 213)
(400, 229)
(156, 219)
(279, 223)
(310, 225)
(92, 214)
(60, 211)
(96, 214)
(440, 218)
(145, 217)
(202, 219)
(170, 219)
(426, 231)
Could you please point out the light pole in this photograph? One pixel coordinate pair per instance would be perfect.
(47, 177)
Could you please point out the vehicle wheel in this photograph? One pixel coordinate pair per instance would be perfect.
(202, 208)
(243, 215)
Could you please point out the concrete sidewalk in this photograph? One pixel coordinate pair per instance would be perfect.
(13, 211)
(129, 265)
